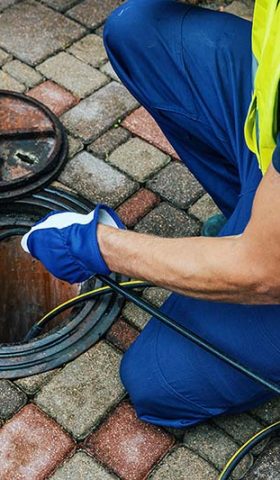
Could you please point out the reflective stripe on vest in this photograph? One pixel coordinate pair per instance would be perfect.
(261, 125)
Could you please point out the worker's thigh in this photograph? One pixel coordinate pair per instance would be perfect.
(191, 69)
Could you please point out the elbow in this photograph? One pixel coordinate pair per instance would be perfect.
(267, 289)
(262, 278)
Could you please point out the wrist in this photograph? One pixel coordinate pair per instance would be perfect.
(104, 233)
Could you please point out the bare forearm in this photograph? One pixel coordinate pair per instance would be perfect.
(207, 268)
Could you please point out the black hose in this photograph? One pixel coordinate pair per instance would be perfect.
(188, 334)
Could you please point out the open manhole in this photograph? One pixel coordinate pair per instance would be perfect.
(33, 149)
(33, 145)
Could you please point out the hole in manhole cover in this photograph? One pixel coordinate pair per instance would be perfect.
(33, 145)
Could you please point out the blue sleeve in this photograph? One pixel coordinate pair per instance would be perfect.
(276, 155)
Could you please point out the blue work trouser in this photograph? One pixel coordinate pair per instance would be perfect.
(191, 69)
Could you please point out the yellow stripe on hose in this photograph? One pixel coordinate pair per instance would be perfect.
(229, 463)
(85, 295)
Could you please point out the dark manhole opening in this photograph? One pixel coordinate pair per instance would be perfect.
(28, 291)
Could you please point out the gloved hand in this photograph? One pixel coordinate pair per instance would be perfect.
(66, 243)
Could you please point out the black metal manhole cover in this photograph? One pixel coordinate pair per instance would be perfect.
(33, 145)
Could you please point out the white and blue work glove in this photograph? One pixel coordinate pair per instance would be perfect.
(66, 243)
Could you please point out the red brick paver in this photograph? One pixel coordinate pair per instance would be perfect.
(142, 124)
(53, 96)
(137, 206)
(32, 446)
(122, 335)
(128, 446)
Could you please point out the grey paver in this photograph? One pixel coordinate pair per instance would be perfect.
(4, 57)
(23, 73)
(138, 159)
(241, 9)
(81, 394)
(109, 71)
(204, 208)
(6, 3)
(167, 221)
(110, 140)
(96, 180)
(135, 315)
(93, 12)
(60, 5)
(267, 466)
(240, 427)
(269, 412)
(81, 79)
(176, 184)
(215, 446)
(9, 83)
(81, 467)
(156, 295)
(11, 399)
(183, 464)
(90, 49)
(31, 385)
(95, 114)
(39, 33)
(75, 146)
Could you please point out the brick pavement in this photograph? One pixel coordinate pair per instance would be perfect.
(75, 423)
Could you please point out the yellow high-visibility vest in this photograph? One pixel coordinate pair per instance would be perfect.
(261, 125)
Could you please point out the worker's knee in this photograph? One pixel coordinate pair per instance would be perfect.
(127, 25)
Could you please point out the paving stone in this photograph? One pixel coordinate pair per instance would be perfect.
(176, 184)
(9, 83)
(122, 335)
(156, 296)
(94, 115)
(32, 446)
(54, 97)
(80, 395)
(81, 467)
(4, 57)
(60, 5)
(267, 466)
(142, 124)
(93, 13)
(90, 49)
(11, 399)
(109, 71)
(138, 159)
(40, 32)
(269, 412)
(168, 221)
(216, 446)
(128, 446)
(96, 180)
(23, 73)
(240, 9)
(204, 208)
(135, 315)
(81, 79)
(183, 464)
(75, 146)
(6, 3)
(105, 144)
(137, 206)
(240, 427)
(32, 384)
